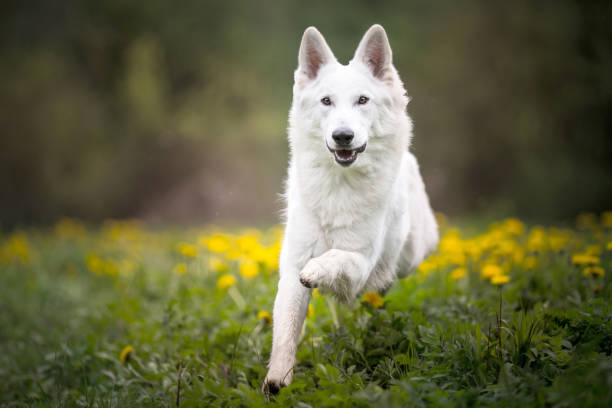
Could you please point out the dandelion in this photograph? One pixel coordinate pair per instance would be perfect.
(188, 250)
(310, 312)
(374, 299)
(584, 259)
(458, 273)
(225, 281)
(593, 271)
(265, 316)
(500, 279)
(536, 241)
(217, 243)
(15, 249)
(249, 269)
(316, 292)
(126, 353)
(609, 246)
(180, 269)
(490, 270)
(513, 226)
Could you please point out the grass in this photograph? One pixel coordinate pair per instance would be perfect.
(74, 298)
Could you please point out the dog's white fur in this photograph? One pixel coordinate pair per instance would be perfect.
(348, 228)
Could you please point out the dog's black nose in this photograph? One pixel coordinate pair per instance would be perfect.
(343, 136)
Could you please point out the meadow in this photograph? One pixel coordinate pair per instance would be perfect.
(124, 314)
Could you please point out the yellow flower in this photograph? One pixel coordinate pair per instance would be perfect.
(490, 270)
(609, 246)
(536, 241)
(584, 259)
(513, 226)
(310, 311)
(316, 292)
(180, 269)
(265, 316)
(15, 249)
(593, 250)
(225, 281)
(217, 243)
(99, 266)
(187, 250)
(500, 279)
(249, 269)
(126, 354)
(593, 270)
(458, 273)
(373, 298)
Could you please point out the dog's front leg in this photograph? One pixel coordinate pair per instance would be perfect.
(343, 273)
(290, 309)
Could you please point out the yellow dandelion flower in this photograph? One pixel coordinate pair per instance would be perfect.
(490, 270)
(249, 269)
(188, 250)
(126, 353)
(316, 293)
(593, 271)
(458, 273)
(584, 259)
(500, 279)
(609, 246)
(225, 281)
(310, 312)
(593, 250)
(513, 226)
(373, 298)
(265, 316)
(217, 243)
(180, 269)
(536, 241)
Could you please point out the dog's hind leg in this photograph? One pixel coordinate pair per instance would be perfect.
(290, 309)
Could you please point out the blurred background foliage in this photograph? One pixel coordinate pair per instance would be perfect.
(177, 111)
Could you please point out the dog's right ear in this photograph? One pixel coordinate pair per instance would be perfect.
(314, 53)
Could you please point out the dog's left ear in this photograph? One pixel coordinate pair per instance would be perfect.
(375, 52)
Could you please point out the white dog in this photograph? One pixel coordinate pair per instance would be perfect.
(358, 216)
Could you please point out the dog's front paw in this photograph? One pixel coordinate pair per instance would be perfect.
(272, 386)
(312, 274)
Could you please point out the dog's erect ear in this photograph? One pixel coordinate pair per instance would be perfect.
(375, 52)
(314, 53)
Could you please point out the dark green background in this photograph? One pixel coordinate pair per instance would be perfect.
(177, 111)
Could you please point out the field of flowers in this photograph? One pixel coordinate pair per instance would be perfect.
(129, 315)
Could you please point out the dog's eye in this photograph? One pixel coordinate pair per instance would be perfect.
(363, 100)
(326, 101)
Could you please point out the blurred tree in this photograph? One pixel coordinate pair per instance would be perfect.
(178, 111)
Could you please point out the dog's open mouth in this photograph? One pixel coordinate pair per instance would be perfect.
(346, 157)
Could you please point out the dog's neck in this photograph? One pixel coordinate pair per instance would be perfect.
(338, 196)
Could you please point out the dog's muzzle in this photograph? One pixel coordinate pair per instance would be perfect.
(345, 157)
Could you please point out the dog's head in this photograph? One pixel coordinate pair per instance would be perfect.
(349, 108)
